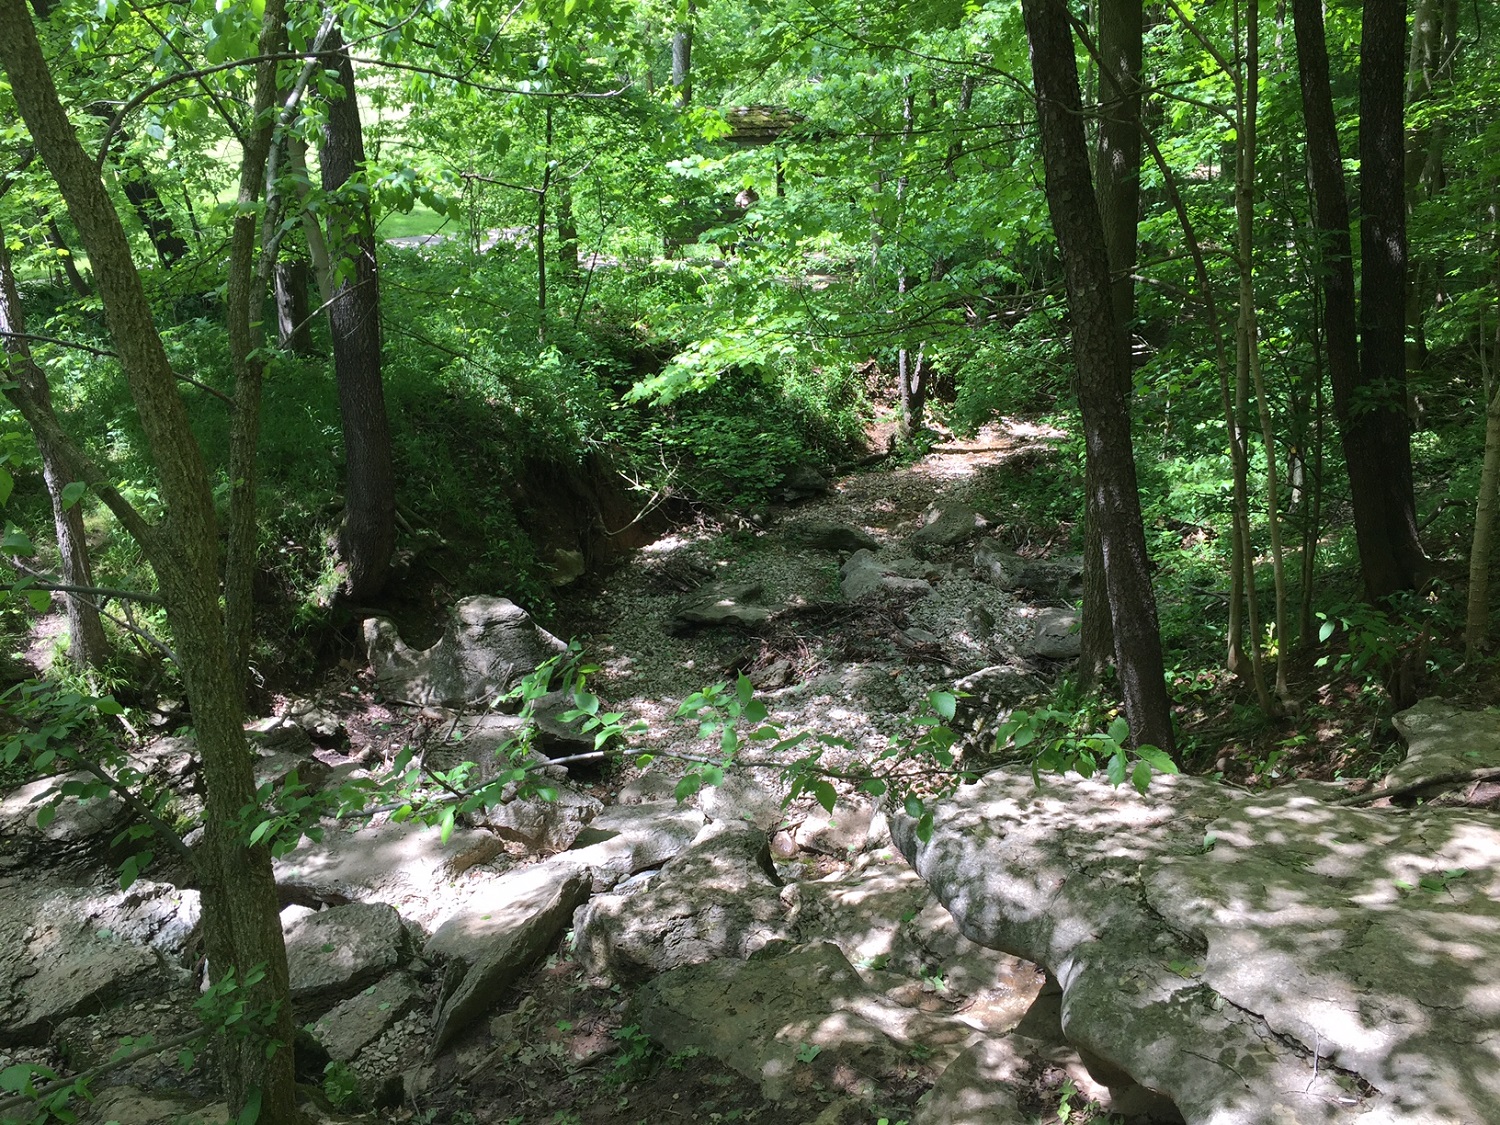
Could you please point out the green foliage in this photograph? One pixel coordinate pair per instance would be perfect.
(341, 1085)
(1054, 742)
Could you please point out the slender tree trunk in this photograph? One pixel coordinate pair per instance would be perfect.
(1248, 376)
(242, 926)
(147, 204)
(541, 235)
(87, 645)
(1375, 442)
(682, 57)
(59, 246)
(1117, 164)
(368, 535)
(1382, 232)
(1114, 499)
(293, 312)
(911, 379)
(1477, 620)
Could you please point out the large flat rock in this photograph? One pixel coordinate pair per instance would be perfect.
(797, 1021)
(333, 954)
(1284, 972)
(66, 949)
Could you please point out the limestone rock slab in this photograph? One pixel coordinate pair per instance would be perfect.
(356, 1023)
(488, 645)
(719, 898)
(509, 950)
(333, 954)
(1252, 958)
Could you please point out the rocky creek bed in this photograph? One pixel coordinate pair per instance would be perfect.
(616, 955)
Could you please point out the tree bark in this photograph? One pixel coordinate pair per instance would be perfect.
(242, 927)
(368, 535)
(1099, 355)
(682, 58)
(59, 246)
(911, 379)
(293, 311)
(1382, 232)
(87, 645)
(1117, 166)
(1375, 445)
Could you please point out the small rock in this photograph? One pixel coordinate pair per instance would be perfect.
(717, 604)
(824, 536)
(948, 524)
(996, 564)
(1055, 634)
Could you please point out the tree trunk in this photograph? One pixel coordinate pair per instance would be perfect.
(242, 928)
(1118, 168)
(293, 313)
(1099, 355)
(682, 58)
(369, 532)
(911, 379)
(1382, 232)
(86, 642)
(1247, 363)
(1477, 621)
(59, 246)
(1374, 445)
(147, 204)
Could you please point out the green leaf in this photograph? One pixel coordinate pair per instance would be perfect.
(945, 703)
(7, 485)
(45, 815)
(16, 542)
(825, 794)
(40, 600)
(72, 493)
(1116, 769)
(914, 806)
(744, 689)
(108, 705)
(1158, 759)
(251, 1113)
(1119, 731)
(1140, 777)
(689, 785)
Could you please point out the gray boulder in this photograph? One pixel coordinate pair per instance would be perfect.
(540, 824)
(821, 535)
(511, 947)
(1442, 738)
(66, 950)
(334, 953)
(804, 482)
(488, 645)
(362, 1019)
(999, 566)
(719, 604)
(1054, 634)
(74, 822)
(948, 524)
(407, 865)
(720, 898)
(864, 574)
(1253, 958)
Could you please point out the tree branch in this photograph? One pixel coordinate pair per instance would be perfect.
(1490, 773)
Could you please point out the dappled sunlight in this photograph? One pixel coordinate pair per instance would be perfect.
(1367, 938)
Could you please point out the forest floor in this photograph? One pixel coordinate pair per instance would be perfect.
(568, 1052)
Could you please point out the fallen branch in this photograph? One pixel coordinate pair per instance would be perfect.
(1491, 773)
(53, 1087)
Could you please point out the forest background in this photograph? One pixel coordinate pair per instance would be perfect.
(313, 309)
